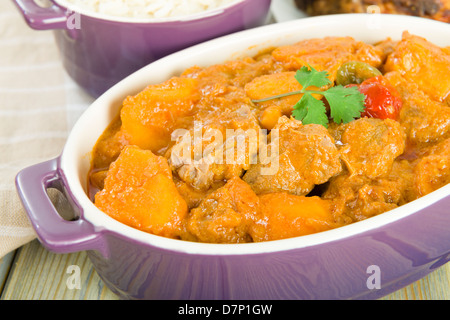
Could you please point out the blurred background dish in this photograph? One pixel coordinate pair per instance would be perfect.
(285, 10)
(149, 9)
(432, 9)
(98, 50)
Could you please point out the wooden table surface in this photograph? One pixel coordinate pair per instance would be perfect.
(34, 273)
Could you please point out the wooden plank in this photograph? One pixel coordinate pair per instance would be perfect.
(38, 274)
(435, 286)
(5, 266)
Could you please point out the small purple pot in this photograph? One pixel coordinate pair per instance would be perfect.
(365, 260)
(99, 51)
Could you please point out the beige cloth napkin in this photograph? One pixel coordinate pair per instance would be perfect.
(39, 104)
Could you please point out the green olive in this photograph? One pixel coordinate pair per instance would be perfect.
(355, 72)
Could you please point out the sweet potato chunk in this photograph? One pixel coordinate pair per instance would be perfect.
(423, 63)
(327, 54)
(226, 216)
(424, 120)
(272, 85)
(149, 117)
(139, 192)
(289, 216)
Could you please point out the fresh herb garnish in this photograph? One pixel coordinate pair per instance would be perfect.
(346, 103)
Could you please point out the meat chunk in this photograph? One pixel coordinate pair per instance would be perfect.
(194, 197)
(228, 215)
(301, 157)
(139, 191)
(433, 170)
(423, 63)
(287, 216)
(370, 146)
(357, 197)
(235, 73)
(327, 54)
(221, 145)
(424, 120)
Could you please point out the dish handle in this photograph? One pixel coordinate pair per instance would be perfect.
(57, 234)
(42, 18)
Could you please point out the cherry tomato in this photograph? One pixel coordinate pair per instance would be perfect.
(382, 99)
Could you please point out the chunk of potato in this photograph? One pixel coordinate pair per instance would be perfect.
(270, 116)
(139, 192)
(149, 117)
(423, 119)
(272, 85)
(423, 63)
(288, 216)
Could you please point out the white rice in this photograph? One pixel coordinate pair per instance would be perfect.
(152, 9)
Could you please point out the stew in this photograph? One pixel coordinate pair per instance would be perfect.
(216, 154)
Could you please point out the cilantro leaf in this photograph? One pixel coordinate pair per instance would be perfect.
(308, 78)
(310, 110)
(300, 110)
(346, 104)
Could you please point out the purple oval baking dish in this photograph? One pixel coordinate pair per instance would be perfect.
(365, 260)
(98, 51)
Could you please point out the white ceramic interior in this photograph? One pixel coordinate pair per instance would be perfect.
(75, 160)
